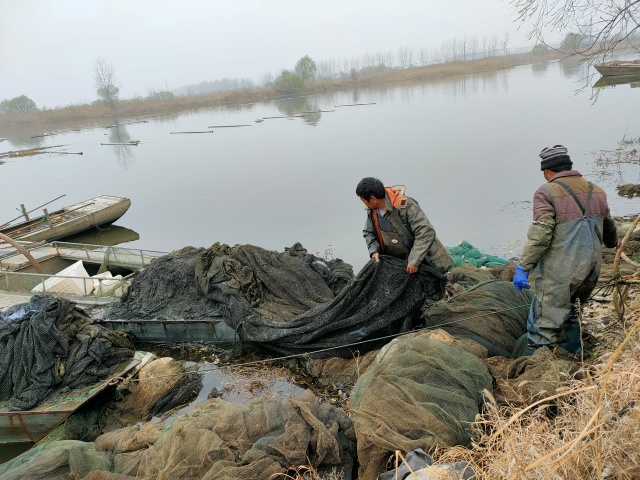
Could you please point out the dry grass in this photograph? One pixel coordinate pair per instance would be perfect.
(305, 472)
(587, 431)
(87, 116)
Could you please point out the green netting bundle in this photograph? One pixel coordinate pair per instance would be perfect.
(464, 252)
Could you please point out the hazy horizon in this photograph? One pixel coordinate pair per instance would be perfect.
(155, 46)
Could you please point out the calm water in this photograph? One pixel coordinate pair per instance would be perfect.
(466, 148)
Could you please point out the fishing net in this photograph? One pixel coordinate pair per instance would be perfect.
(293, 302)
(166, 290)
(465, 253)
(492, 313)
(49, 344)
(422, 391)
(162, 385)
(217, 440)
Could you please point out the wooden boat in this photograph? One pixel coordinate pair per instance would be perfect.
(32, 425)
(618, 67)
(20, 278)
(71, 220)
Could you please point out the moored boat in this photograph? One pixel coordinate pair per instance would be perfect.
(71, 220)
(86, 274)
(32, 425)
(618, 67)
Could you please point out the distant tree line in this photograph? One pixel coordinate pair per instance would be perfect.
(18, 105)
(215, 86)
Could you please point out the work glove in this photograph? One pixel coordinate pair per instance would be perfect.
(521, 278)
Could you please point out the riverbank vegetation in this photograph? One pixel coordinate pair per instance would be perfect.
(88, 115)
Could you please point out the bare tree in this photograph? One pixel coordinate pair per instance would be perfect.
(266, 79)
(403, 57)
(474, 46)
(423, 55)
(505, 43)
(495, 39)
(605, 24)
(390, 59)
(106, 84)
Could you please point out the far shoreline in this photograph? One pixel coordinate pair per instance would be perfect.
(97, 115)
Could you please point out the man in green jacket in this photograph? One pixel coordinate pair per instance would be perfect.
(397, 226)
(571, 221)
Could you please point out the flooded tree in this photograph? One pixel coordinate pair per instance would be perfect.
(306, 68)
(17, 105)
(604, 25)
(106, 84)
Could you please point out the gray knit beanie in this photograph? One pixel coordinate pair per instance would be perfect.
(554, 157)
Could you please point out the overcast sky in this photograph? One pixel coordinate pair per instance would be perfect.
(48, 47)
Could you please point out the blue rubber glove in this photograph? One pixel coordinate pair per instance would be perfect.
(521, 278)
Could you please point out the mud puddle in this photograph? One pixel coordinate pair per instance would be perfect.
(225, 373)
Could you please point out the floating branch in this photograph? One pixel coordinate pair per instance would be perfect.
(204, 131)
(283, 116)
(152, 116)
(125, 124)
(69, 153)
(355, 104)
(132, 142)
(228, 126)
(29, 151)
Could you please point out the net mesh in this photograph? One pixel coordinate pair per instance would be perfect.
(217, 440)
(423, 390)
(49, 343)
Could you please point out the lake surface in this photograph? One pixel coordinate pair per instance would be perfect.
(466, 148)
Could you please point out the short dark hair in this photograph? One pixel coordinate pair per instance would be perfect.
(370, 187)
(560, 168)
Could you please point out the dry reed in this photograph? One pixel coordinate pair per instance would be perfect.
(588, 430)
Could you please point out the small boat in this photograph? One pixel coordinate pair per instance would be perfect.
(618, 67)
(32, 425)
(71, 220)
(86, 274)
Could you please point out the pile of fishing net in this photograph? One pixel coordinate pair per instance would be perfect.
(217, 440)
(294, 302)
(285, 302)
(49, 344)
(423, 390)
(491, 312)
(166, 290)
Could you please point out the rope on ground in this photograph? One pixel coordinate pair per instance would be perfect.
(305, 354)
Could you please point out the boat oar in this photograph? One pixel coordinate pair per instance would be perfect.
(30, 211)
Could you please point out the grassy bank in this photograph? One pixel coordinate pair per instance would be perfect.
(83, 116)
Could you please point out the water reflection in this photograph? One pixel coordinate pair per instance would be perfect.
(21, 140)
(110, 235)
(303, 107)
(632, 80)
(120, 139)
(573, 67)
(539, 69)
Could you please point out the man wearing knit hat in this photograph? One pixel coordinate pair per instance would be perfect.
(571, 221)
